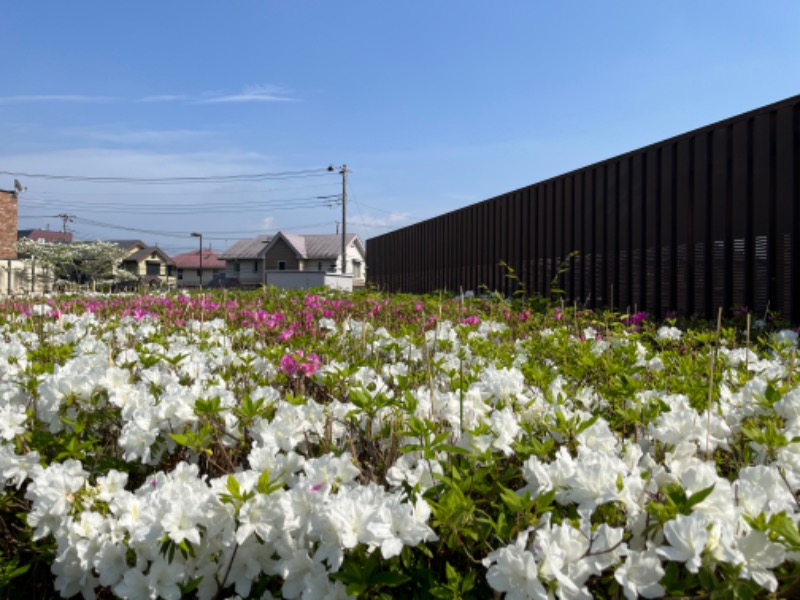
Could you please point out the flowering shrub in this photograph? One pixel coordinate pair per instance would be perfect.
(294, 445)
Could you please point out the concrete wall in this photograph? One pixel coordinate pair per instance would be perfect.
(23, 276)
(191, 279)
(299, 280)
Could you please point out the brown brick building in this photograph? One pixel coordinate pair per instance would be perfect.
(8, 225)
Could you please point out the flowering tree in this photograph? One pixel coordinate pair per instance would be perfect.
(79, 262)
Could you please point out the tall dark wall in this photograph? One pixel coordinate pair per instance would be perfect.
(703, 220)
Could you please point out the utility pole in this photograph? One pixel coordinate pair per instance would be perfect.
(344, 171)
(66, 219)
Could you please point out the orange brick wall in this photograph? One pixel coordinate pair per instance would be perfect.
(8, 225)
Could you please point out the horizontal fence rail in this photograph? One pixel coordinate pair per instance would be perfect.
(704, 220)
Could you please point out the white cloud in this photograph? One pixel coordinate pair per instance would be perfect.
(253, 93)
(256, 93)
(53, 98)
(165, 98)
(134, 136)
(393, 219)
(105, 162)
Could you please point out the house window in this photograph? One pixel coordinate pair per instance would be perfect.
(281, 265)
(236, 266)
(199, 273)
(255, 266)
(153, 268)
(319, 266)
(357, 269)
(180, 274)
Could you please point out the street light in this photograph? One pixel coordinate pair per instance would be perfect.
(200, 235)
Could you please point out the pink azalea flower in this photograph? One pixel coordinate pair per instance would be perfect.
(311, 364)
(289, 364)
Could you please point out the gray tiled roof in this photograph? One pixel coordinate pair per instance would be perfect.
(325, 246)
(250, 248)
(145, 253)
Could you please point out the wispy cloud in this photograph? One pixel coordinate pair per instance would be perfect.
(53, 98)
(165, 98)
(393, 219)
(256, 93)
(135, 136)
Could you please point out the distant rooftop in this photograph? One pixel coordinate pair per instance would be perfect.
(247, 249)
(211, 260)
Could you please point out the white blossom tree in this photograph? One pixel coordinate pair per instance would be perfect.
(89, 263)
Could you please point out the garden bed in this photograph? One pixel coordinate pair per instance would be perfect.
(283, 444)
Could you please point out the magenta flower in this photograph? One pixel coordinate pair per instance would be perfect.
(311, 364)
(289, 364)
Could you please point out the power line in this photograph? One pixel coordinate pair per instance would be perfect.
(198, 210)
(181, 207)
(172, 180)
(177, 234)
(238, 192)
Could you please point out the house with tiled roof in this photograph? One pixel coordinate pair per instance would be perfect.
(244, 261)
(294, 252)
(197, 268)
(150, 264)
(259, 261)
(45, 236)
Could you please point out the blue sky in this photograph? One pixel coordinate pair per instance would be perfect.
(433, 105)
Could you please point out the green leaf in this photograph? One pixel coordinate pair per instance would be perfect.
(545, 501)
(451, 574)
(180, 439)
(784, 527)
(388, 578)
(698, 497)
(190, 586)
(512, 500)
(266, 485)
(754, 433)
(586, 424)
(233, 487)
(772, 393)
(453, 449)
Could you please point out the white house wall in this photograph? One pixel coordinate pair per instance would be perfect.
(250, 271)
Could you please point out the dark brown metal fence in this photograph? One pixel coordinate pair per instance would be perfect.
(703, 220)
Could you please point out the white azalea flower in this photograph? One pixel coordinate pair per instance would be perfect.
(669, 333)
(513, 570)
(12, 419)
(687, 536)
(639, 575)
(760, 555)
